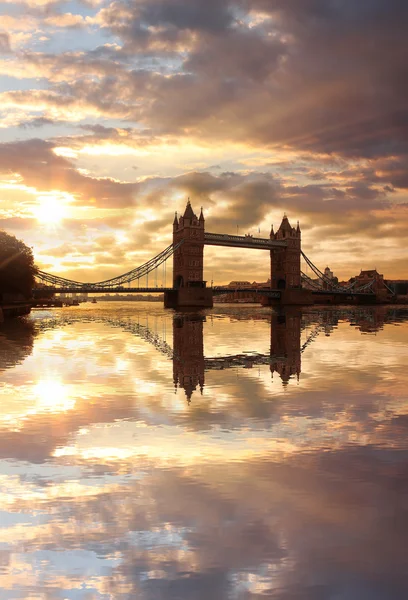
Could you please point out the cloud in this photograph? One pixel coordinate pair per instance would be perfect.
(234, 76)
(37, 122)
(41, 168)
(312, 93)
(66, 20)
(272, 83)
(244, 200)
(4, 43)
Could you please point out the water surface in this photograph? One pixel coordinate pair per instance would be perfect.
(235, 453)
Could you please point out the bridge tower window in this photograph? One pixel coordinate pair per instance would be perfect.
(179, 282)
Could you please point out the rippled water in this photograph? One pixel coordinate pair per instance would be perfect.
(231, 454)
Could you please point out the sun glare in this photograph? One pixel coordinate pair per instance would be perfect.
(53, 396)
(50, 210)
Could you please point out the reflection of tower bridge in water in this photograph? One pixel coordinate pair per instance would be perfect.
(187, 352)
(190, 364)
(291, 334)
(289, 284)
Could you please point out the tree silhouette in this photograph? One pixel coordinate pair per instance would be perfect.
(17, 267)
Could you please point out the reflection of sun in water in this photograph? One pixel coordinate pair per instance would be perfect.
(50, 210)
(53, 396)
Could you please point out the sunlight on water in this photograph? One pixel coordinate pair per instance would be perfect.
(236, 453)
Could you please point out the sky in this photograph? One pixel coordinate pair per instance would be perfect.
(113, 113)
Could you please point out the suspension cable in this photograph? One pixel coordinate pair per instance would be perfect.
(138, 273)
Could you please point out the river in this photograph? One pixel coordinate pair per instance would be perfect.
(233, 454)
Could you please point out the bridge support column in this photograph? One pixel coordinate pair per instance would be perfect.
(190, 289)
(189, 297)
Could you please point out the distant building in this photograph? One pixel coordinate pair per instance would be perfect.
(328, 273)
(398, 286)
(313, 284)
(366, 276)
(246, 296)
(239, 284)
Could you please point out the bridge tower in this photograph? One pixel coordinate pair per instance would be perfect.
(188, 260)
(189, 287)
(285, 262)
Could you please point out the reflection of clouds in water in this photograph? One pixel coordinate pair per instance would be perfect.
(307, 523)
(113, 376)
(253, 490)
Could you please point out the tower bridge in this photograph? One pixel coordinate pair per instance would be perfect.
(289, 285)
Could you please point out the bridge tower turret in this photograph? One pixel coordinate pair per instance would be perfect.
(285, 262)
(188, 262)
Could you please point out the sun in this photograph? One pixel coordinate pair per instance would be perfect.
(50, 210)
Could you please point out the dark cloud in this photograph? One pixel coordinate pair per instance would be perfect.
(38, 122)
(319, 75)
(251, 196)
(390, 170)
(328, 77)
(196, 15)
(159, 23)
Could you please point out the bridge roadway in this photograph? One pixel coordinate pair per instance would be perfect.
(91, 289)
(217, 290)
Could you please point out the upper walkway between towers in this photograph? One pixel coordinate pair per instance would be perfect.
(242, 241)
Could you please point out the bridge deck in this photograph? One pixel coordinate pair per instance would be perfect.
(217, 290)
(91, 289)
(241, 241)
